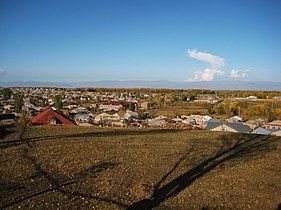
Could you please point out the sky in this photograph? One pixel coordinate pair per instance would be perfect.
(80, 40)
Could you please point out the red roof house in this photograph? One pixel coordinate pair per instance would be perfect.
(51, 117)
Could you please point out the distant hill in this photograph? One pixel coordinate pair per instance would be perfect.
(216, 85)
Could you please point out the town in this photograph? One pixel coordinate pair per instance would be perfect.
(257, 112)
(140, 105)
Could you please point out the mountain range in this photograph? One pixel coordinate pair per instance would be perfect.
(214, 85)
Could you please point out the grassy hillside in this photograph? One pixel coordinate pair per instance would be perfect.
(71, 167)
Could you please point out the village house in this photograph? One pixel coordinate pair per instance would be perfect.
(235, 119)
(30, 108)
(207, 98)
(276, 98)
(8, 108)
(252, 97)
(177, 120)
(189, 121)
(274, 125)
(262, 131)
(157, 121)
(276, 133)
(105, 118)
(51, 117)
(200, 120)
(70, 106)
(84, 118)
(79, 110)
(221, 125)
(93, 106)
(130, 114)
(253, 124)
(116, 105)
(110, 106)
(144, 105)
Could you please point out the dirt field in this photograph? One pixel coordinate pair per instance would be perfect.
(76, 167)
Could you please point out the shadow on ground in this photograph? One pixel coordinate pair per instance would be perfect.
(59, 184)
(246, 146)
(5, 130)
(232, 147)
(112, 133)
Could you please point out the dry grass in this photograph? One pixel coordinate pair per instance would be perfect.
(83, 167)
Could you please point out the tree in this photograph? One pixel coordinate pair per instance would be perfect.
(234, 109)
(210, 109)
(219, 109)
(7, 93)
(18, 97)
(66, 113)
(142, 115)
(270, 116)
(160, 101)
(24, 119)
(171, 98)
(98, 99)
(131, 106)
(58, 103)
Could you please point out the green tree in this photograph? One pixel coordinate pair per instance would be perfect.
(142, 115)
(98, 99)
(233, 111)
(171, 98)
(270, 116)
(7, 93)
(131, 106)
(221, 109)
(58, 103)
(18, 97)
(210, 109)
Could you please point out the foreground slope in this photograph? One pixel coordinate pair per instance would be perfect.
(105, 168)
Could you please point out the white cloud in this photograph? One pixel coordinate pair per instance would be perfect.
(235, 73)
(214, 60)
(214, 69)
(206, 75)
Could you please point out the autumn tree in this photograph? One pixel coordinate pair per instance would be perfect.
(234, 109)
(24, 119)
(160, 101)
(219, 109)
(278, 113)
(18, 98)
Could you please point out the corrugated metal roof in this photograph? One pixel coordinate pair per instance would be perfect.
(239, 127)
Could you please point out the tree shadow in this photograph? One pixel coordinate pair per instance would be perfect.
(5, 130)
(231, 148)
(59, 184)
(99, 134)
(235, 147)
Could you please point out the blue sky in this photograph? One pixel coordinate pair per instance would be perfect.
(140, 40)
